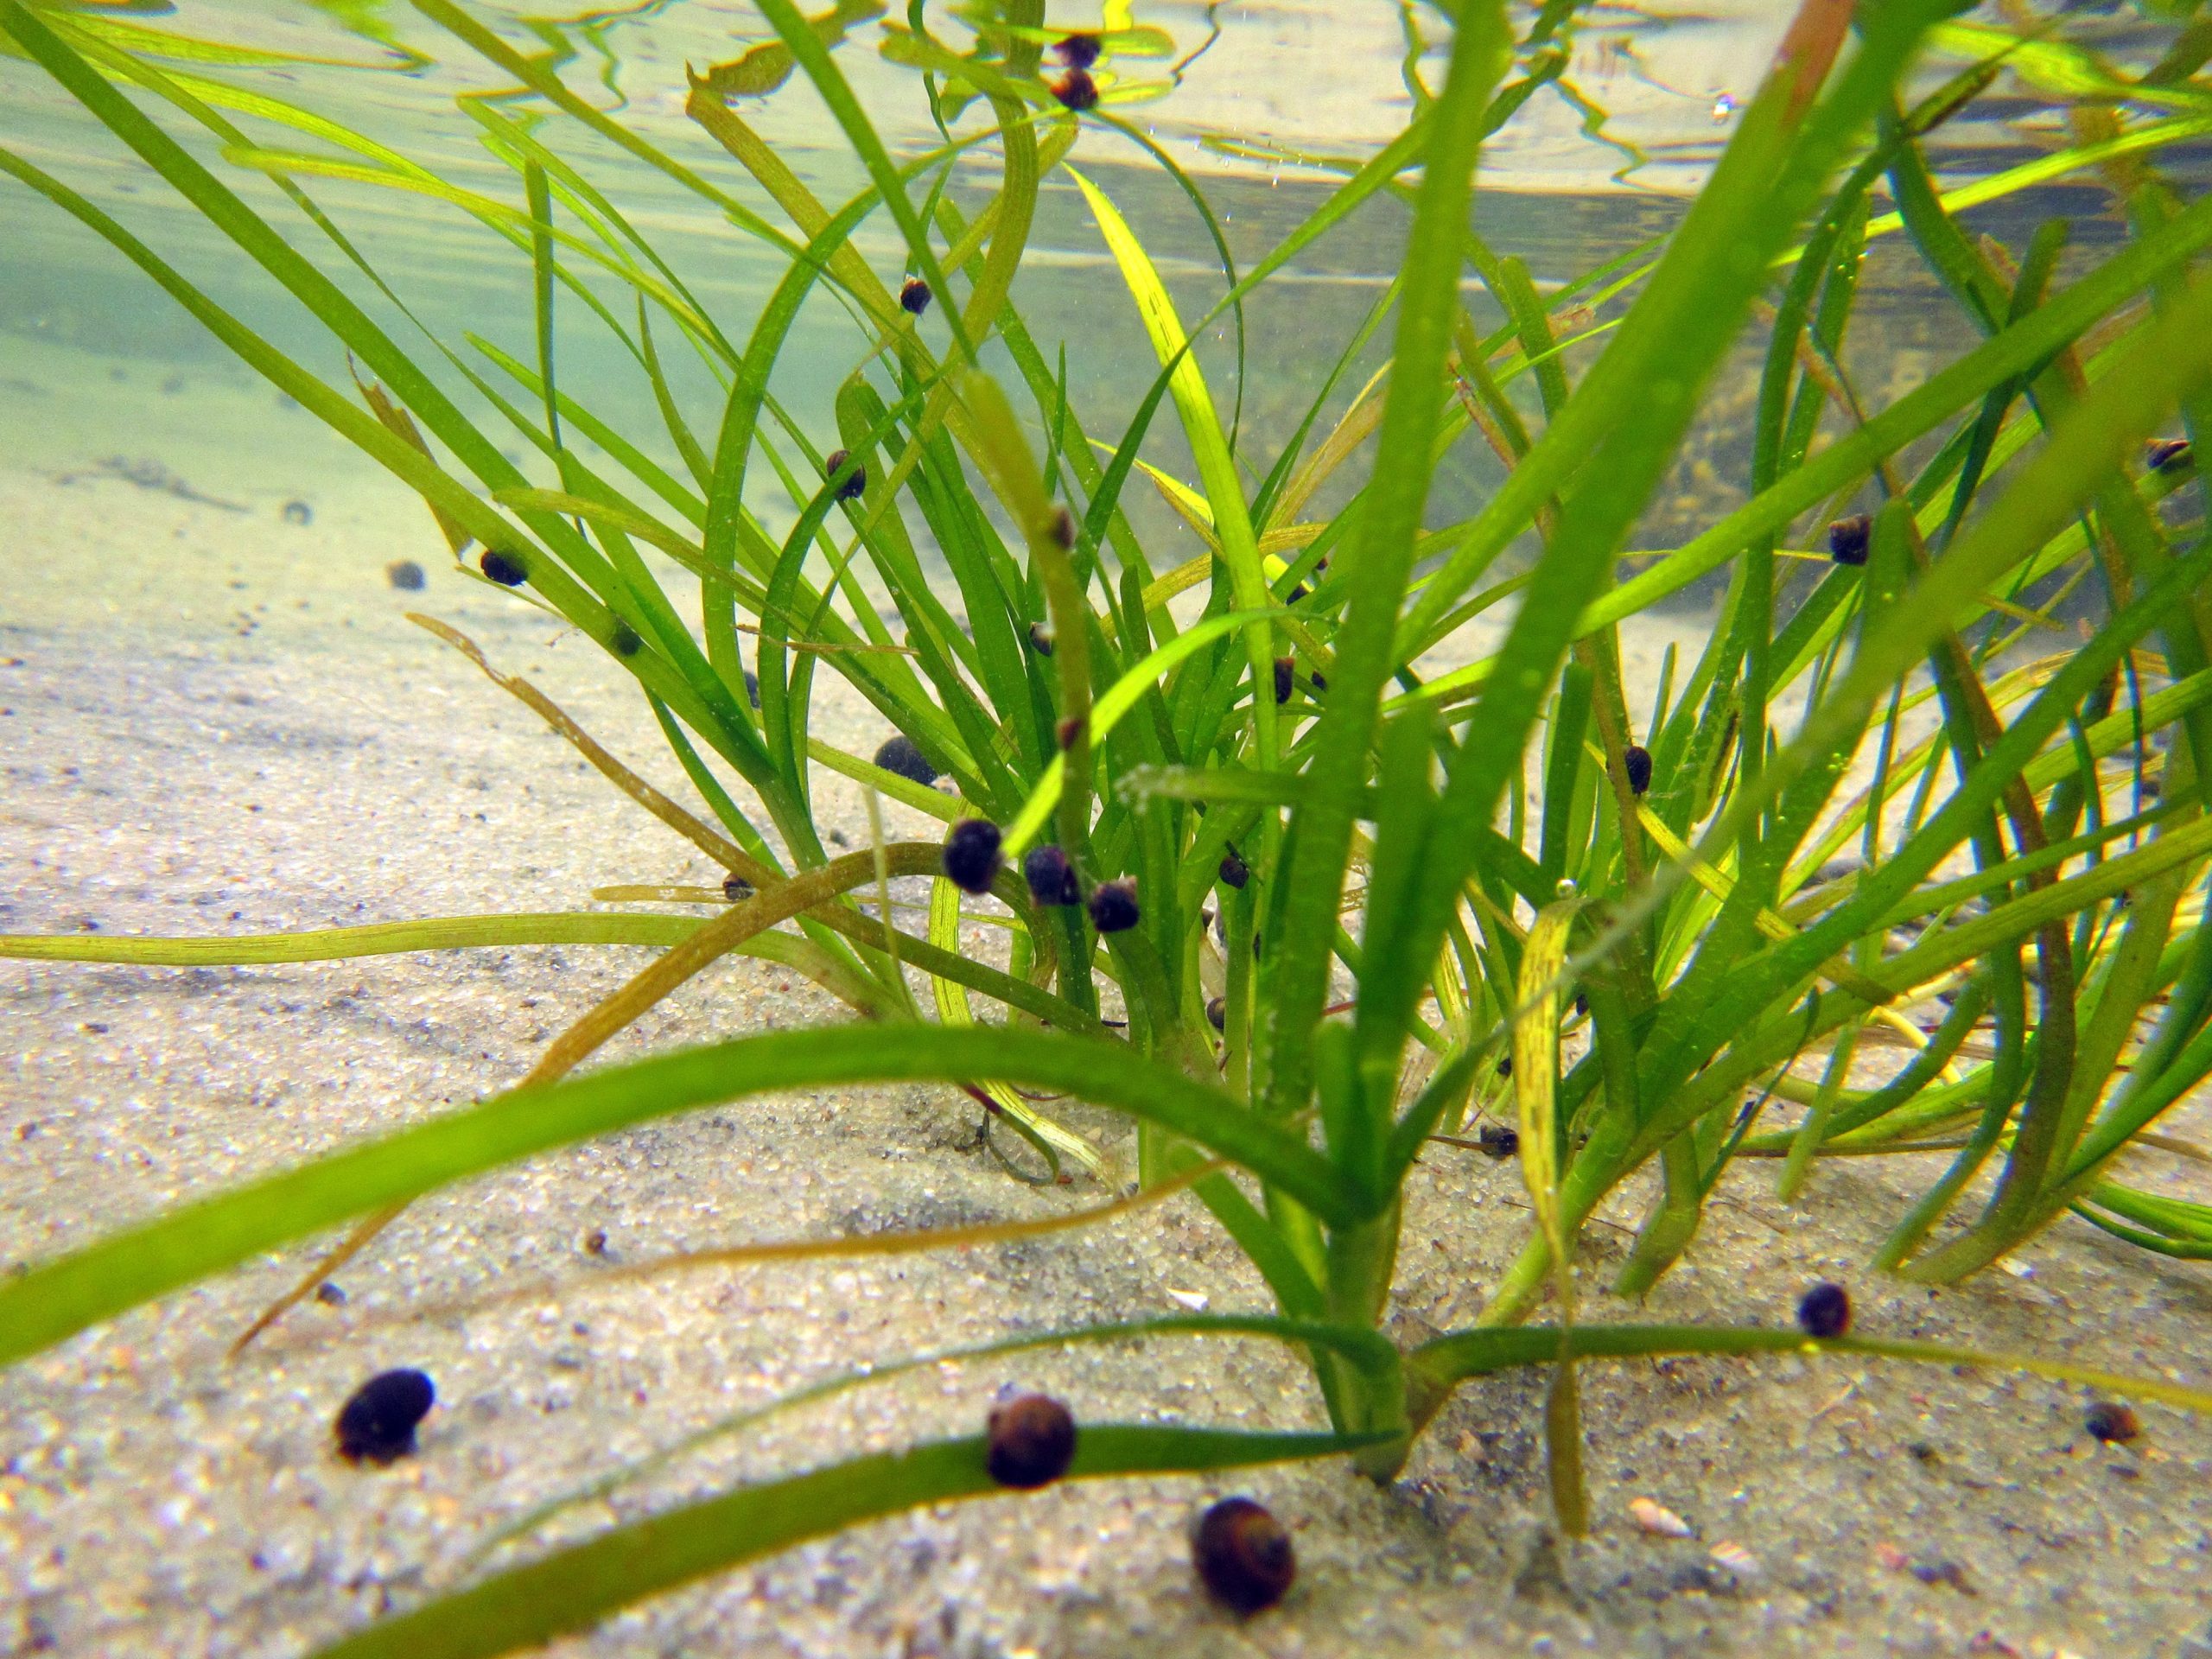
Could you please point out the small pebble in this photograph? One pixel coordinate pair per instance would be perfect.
(1824, 1311)
(298, 512)
(406, 576)
(503, 568)
(1076, 91)
(1243, 1555)
(914, 296)
(902, 755)
(2112, 1422)
(1114, 905)
(1031, 1442)
(1051, 877)
(971, 854)
(1635, 761)
(1734, 1558)
(377, 1424)
(1848, 539)
(1950, 1572)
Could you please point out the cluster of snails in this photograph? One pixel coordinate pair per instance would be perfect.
(973, 859)
(1241, 1554)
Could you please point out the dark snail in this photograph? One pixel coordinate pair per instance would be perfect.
(377, 1425)
(1824, 1311)
(971, 854)
(1243, 1555)
(1031, 1441)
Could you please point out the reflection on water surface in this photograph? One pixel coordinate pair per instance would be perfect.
(1252, 100)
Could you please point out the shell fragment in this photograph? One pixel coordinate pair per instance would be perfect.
(1657, 1519)
(1734, 1558)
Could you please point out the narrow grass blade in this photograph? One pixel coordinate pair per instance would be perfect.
(952, 1009)
(56, 1299)
(376, 939)
(1202, 427)
(574, 1588)
(1303, 905)
(1451, 1360)
(1368, 1351)
(1107, 713)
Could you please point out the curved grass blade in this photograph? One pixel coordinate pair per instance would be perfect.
(1233, 299)
(414, 468)
(953, 1010)
(814, 57)
(1202, 428)
(1854, 454)
(227, 212)
(1105, 714)
(1370, 1352)
(184, 48)
(62, 1296)
(398, 456)
(540, 79)
(1437, 1366)
(575, 1587)
(1535, 1089)
(342, 943)
(1303, 905)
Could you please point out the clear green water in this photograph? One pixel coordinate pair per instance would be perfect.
(1589, 168)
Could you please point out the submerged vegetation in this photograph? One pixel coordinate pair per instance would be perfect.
(1292, 901)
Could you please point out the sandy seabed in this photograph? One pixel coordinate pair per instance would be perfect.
(214, 720)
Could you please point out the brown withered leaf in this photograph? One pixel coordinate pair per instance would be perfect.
(396, 421)
(769, 65)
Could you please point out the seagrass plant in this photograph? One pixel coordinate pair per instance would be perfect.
(1890, 781)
